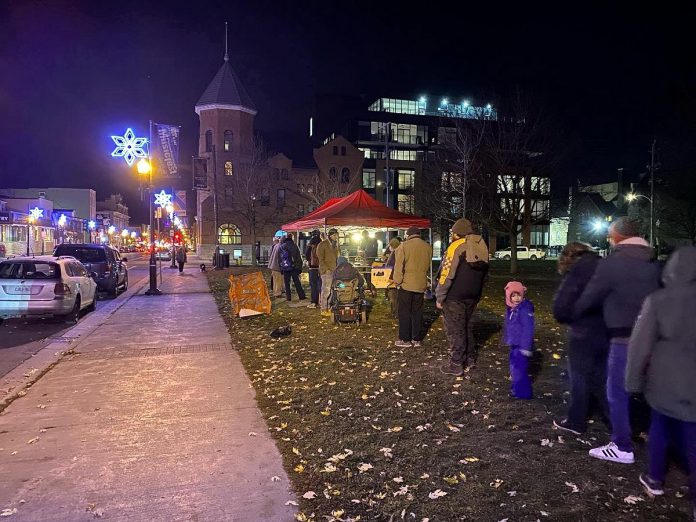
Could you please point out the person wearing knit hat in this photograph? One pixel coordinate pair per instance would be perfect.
(391, 291)
(459, 287)
(412, 262)
(327, 255)
(518, 334)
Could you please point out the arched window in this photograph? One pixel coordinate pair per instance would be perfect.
(209, 141)
(345, 175)
(229, 235)
(229, 170)
(284, 174)
(276, 174)
(333, 174)
(228, 141)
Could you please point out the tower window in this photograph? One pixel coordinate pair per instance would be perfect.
(333, 174)
(228, 141)
(345, 175)
(229, 170)
(209, 141)
(280, 198)
(276, 174)
(343, 150)
(284, 174)
(335, 150)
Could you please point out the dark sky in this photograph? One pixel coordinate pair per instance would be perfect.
(72, 73)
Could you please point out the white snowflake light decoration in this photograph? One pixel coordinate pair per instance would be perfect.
(129, 147)
(36, 213)
(163, 199)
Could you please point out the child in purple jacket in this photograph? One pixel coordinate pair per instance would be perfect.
(519, 335)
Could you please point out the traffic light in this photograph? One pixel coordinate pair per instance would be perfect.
(177, 237)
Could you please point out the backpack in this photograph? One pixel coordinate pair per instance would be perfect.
(313, 258)
(286, 262)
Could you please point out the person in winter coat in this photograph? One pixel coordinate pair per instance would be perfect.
(313, 263)
(519, 336)
(291, 266)
(460, 285)
(391, 291)
(588, 340)
(181, 258)
(662, 365)
(274, 266)
(411, 266)
(619, 285)
(327, 252)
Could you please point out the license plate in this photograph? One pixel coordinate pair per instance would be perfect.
(22, 290)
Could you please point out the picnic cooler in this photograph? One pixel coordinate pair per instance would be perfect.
(380, 276)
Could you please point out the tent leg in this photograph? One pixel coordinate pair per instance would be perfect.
(430, 235)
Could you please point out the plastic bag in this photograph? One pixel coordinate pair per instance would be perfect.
(249, 291)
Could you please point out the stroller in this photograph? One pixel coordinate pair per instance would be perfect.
(347, 301)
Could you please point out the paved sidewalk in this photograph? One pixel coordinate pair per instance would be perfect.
(153, 418)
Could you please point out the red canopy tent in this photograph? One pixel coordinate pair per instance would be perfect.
(357, 209)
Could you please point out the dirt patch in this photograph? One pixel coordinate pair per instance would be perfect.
(370, 430)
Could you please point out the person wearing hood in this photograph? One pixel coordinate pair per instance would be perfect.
(662, 366)
(412, 262)
(518, 333)
(460, 285)
(291, 266)
(313, 263)
(619, 285)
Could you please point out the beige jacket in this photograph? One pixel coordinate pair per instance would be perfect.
(328, 257)
(412, 264)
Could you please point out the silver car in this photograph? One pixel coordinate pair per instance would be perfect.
(45, 286)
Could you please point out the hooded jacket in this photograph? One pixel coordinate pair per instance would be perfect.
(463, 270)
(293, 251)
(619, 285)
(662, 349)
(273, 260)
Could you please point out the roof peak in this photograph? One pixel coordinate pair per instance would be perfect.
(226, 91)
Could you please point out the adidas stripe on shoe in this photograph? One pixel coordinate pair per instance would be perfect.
(612, 453)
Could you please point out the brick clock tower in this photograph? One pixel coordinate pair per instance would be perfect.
(226, 120)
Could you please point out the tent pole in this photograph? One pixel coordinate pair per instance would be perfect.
(430, 235)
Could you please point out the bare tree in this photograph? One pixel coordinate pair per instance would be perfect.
(334, 184)
(677, 207)
(248, 186)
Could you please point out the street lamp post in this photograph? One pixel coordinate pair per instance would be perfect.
(632, 197)
(145, 168)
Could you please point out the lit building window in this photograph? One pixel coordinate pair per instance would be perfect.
(369, 178)
(229, 235)
(405, 178)
(229, 170)
(405, 203)
(228, 141)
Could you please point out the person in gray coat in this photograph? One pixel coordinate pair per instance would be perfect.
(662, 365)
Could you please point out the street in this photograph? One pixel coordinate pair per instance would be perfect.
(22, 338)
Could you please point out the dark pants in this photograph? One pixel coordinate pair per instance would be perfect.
(181, 266)
(459, 330)
(314, 284)
(587, 370)
(681, 435)
(618, 397)
(410, 315)
(393, 297)
(521, 386)
(295, 276)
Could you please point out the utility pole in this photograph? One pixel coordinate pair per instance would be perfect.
(216, 255)
(386, 155)
(652, 193)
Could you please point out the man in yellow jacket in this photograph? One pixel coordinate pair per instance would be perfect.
(327, 252)
(412, 264)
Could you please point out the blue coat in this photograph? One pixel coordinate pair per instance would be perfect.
(519, 326)
(619, 285)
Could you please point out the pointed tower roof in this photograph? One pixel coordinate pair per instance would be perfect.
(226, 92)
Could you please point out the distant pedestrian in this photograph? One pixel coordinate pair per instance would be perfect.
(619, 285)
(277, 284)
(313, 263)
(460, 285)
(368, 247)
(290, 261)
(518, 333)
(412, 262)
(588, 340)
(181, 258)
(327, 252)
(662, 365)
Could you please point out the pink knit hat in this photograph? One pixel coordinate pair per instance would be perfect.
(512, 287)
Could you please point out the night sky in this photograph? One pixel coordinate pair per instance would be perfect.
(72, 73)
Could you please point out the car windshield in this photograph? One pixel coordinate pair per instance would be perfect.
(29, 270)
(85, 255)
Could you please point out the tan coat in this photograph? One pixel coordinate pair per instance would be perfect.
(328, 257)
(412, 264)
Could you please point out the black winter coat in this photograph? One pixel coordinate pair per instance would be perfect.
(293, 250)
(588, 327)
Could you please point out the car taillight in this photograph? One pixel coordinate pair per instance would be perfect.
(61, 290)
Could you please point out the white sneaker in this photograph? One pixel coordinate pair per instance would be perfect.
(312, 305)
(416, 344)
(612, 453)
(402, 344)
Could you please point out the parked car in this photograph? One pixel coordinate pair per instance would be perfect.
(45, 286)
(110, 268)
(163, 254)
(523, 252)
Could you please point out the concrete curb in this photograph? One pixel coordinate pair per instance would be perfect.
(15, 383)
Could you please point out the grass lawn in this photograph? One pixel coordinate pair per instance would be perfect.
(369, 431)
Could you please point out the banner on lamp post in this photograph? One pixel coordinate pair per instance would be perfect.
(165, 150)
(200, 173)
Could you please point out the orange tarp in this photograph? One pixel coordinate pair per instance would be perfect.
(249, 291)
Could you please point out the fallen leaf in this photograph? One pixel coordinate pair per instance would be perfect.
(8, 512)
(309, 495)
(632, 499)
(573, 487)
(291, 503)
(433, 495)
(275, 479)
(365, 467)
(32, 441)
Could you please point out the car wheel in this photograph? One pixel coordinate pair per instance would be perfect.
(533, 257)
(125, 284)
(74, 314)
(93, 305)
(506, 257)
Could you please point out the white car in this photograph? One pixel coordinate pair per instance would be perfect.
(523, 252)
(45, 286)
